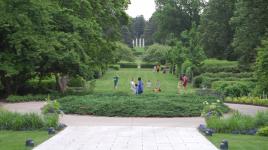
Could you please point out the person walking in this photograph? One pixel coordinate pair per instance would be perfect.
(185, 81)
(116, 80)
(133, 86)
(140, 86)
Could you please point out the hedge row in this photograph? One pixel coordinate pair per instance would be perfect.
(247, 100)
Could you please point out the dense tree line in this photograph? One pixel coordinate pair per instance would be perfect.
(57, 37)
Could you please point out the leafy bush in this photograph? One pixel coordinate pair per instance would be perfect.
(28, 121)
(35, 85)
(262, 119)
(248, 100)
(77, 82)
(214, 65)
(138, 106)
(128, 65)
(263, 131)
(233, 88)
(51, 107)
(236, 123)
(212, 109)
(27, 98)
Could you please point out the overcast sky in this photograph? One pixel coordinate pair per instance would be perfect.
(141, 7)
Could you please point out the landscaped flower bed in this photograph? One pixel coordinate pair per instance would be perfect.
(248, 100)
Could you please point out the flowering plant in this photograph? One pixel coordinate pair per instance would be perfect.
(212, 109)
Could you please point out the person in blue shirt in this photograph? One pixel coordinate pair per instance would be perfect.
(140, 86)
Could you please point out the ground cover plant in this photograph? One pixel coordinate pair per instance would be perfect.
(241, 142)
(136, 106)
(15, 140)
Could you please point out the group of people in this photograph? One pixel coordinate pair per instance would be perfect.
(138, 88)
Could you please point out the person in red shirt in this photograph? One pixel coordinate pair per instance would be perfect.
(184, 81)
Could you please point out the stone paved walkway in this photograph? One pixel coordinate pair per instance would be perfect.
(247, 109)
(127, 138)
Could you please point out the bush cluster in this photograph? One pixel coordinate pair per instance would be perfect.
(38, 87)
(233, 88)
(128, 65)
(238, 123)
(247, 100)
(28, 121)
(263, 131)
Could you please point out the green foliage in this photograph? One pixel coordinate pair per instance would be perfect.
(26, 98)
(263, 131)
(250, 22)
(51, 107)
(262, 118)
(147, 65)
(156, 53)
(135, 106)
(77, 82)
(123, 52)
(237, 122)
(28, 121)
(212, 109)
(217, 33)
(60, 38)
(114, 67)
(262, 68)
(247, 100)
(51, 120)
(128, 65)
(233, 88)
(214, 65)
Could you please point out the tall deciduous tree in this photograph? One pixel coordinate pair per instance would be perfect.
(217, 33)
(250, 22)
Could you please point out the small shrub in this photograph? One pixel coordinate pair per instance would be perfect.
(263, 131)
(233, 88)
(51, 120)
(114, 67)
(212, 109)
(77, 82)
(51, 106)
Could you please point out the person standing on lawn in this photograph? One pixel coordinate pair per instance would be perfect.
(116, 80)
(185, 81)
(140, 86)
(133, 86)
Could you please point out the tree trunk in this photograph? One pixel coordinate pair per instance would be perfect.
(62, 81)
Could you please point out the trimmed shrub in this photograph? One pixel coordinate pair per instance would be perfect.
(148, 66)
(214, 65)
(77, 82)
(114, 67)
(263, 131)
(233, 88)
(128, 65)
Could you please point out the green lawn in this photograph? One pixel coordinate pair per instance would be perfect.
(168, 82)
(241, 142)
(15, 140)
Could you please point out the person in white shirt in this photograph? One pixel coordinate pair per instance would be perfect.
(132, 86)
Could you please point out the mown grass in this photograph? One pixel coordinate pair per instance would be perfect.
(241, 142)
(168, 82)
(15, 140)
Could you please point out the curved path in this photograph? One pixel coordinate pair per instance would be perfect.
(247, 109)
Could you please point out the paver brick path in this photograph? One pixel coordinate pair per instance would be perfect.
(127, 138)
